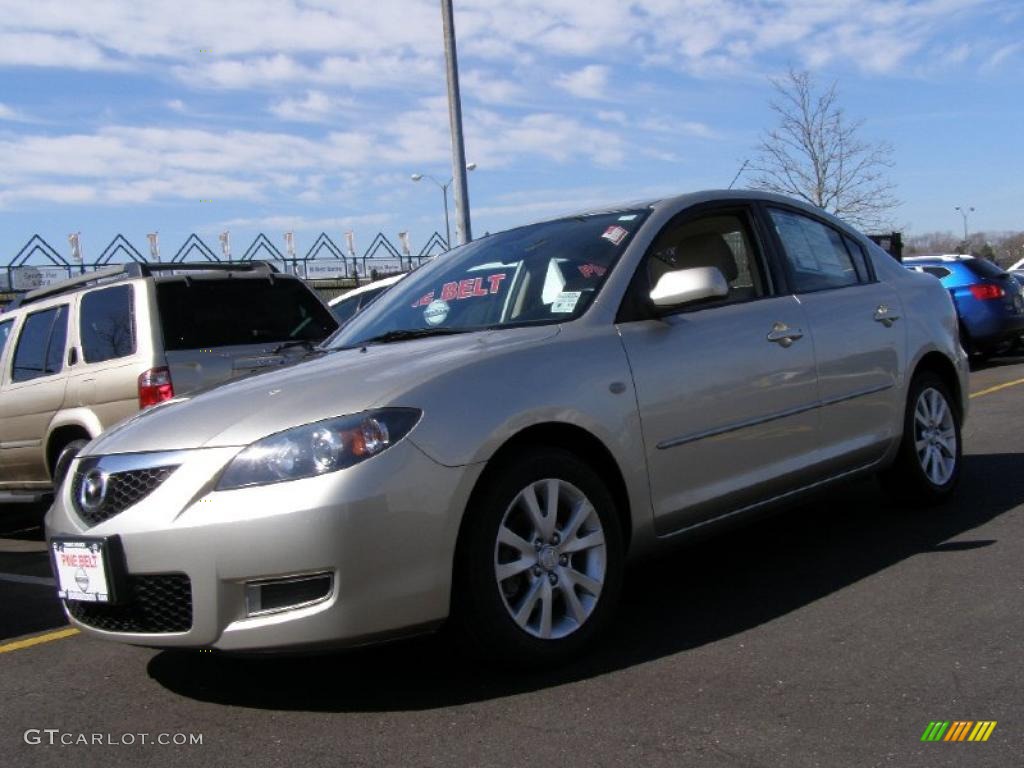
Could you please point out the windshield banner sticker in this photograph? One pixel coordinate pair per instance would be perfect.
(615, 234)
(436, 312)
(592, 270)
(566, 302)
(469, 288)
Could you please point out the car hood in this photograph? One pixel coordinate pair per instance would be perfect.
(340, 382)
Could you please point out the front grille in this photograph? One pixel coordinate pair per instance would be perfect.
(124, 489)
(160, 603)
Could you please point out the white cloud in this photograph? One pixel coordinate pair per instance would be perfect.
(308, 224)
(317, 42)
(314, 107)
(7, 113)
(591, 82)
(1002, 54)
(491, 89)
(31, 49)
(123, 164)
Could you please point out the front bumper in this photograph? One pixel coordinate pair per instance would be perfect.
(385, 529)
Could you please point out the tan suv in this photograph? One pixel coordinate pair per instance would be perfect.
(81, 355)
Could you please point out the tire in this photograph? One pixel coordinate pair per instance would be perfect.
(927, 467)
(64, 458)
(546, 564)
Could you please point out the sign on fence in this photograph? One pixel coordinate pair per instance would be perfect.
(30, 278)
(317, 270)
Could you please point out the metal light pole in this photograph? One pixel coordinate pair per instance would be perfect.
(462, 226)
(444, 192)
(964, 210)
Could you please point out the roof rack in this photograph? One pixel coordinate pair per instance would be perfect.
(135, 269)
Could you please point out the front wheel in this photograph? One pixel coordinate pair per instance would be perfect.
(540, 561)
(927, 468)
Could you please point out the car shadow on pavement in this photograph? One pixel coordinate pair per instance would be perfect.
(692, 596)
(1015, 357)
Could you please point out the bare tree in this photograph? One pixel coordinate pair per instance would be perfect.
(815, 154)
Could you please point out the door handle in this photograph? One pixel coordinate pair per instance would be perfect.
(783, 335)
(72, 356)
(885, 316)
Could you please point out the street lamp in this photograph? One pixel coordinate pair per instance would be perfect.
(964, 210)
(444, 192)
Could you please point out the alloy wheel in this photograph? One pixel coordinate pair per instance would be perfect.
(935, 436)
(550, 559)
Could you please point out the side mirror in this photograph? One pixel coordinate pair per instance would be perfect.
(684, 286)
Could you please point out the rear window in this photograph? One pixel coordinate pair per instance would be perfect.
(196, 314)
(984, 268)
(107, 324)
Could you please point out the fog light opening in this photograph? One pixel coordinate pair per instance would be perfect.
(287, 593)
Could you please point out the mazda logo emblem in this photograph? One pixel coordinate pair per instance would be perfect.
(93, 491)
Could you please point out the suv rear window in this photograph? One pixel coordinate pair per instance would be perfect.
(984, 268)
(107, 325)
(201, 313)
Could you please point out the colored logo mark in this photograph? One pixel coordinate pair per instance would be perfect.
(959, 730)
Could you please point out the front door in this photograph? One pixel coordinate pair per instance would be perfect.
(33, 391)
(727, 389)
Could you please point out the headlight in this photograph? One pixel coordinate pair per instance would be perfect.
(318, 448)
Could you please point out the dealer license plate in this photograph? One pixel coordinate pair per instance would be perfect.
(83, 569)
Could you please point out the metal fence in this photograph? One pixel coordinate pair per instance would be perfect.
(324, 260)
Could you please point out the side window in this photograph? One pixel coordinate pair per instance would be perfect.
(860, 259)
(817, 258)
(107, 324)
(5, 331)
(40, 350)
(345, 309)
(369, 296)
(721, 241)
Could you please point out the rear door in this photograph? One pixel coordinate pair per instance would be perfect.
(33, 392)
(858, 332)
(215, 329)
(726, 389)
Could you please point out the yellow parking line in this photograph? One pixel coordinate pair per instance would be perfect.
(46, 637)
(996, 388)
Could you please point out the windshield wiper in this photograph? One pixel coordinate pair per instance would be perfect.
(409, 333)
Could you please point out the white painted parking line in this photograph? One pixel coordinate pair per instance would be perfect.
(17, 578)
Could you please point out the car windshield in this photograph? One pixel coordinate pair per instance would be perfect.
(539, 274)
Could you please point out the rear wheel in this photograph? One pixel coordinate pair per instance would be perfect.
(540, 561)
(927, 468)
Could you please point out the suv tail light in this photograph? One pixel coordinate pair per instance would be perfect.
(985, 291)
(155, 386)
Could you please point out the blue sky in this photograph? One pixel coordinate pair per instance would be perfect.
(274, 115)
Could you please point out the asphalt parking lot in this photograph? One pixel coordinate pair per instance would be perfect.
(830, 635)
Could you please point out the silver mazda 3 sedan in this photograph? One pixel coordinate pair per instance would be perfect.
(490, 441)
